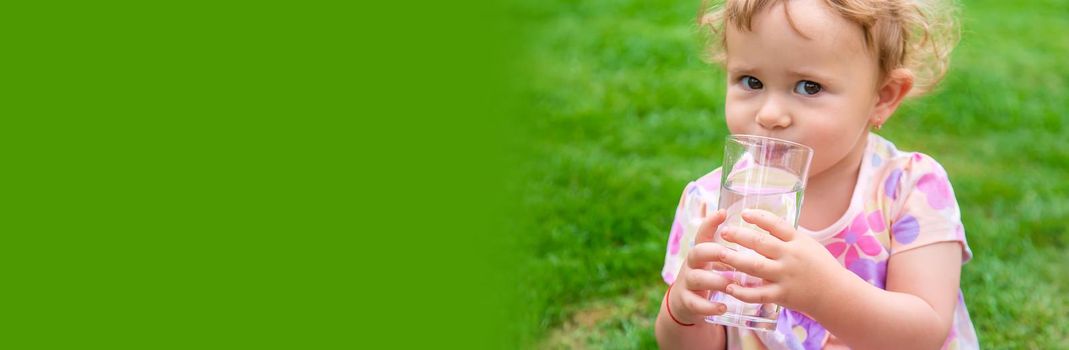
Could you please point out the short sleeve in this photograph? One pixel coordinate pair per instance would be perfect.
(672, 257)
(927, 211)
(686, 221)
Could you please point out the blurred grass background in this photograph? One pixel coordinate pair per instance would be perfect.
(622, 113)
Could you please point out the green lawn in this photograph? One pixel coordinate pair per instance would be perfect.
(623, 112)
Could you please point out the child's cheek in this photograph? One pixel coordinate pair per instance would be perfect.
(736, 118)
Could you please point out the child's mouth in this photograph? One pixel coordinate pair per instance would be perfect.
(779, 151)
(775, 151)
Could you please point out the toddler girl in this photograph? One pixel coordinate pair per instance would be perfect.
(876, 259)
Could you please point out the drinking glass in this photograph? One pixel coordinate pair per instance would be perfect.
(758, 173)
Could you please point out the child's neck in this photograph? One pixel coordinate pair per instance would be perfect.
(828, 194)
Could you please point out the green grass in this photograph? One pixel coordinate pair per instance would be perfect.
(622, 113)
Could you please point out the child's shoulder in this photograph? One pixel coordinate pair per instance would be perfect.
(899, 173)
(706, 186)
(708, 182)
(885, 156)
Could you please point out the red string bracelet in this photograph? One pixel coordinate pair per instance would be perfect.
(668, 305)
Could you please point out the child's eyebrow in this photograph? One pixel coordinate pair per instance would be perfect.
(740, 70)
(800, 73)
(810, 74)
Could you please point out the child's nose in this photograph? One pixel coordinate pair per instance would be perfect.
(773, 115)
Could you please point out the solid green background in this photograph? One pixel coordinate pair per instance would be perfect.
(201, 175)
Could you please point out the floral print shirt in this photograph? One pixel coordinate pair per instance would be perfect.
(902, 201)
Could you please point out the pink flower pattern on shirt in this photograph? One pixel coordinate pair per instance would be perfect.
(677, 236)
(937, 190)
(855, 238)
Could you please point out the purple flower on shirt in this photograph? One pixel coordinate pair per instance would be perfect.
(814, 333)
(906, 229)
(890, 185)
(873, 272)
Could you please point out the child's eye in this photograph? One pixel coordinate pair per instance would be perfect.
(807, 88)
(751, 83)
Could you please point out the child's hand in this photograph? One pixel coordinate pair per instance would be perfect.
(689, 297)
(795, 267)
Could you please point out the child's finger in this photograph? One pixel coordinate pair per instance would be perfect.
(760, 242)
(706, 280)
(709, 225)
(743, 279)
(700, 305)
(769, 222)
(751, 264)
(702, 254)
(768, 293)
(721, 267)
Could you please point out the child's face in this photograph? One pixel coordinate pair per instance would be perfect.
(819, 92)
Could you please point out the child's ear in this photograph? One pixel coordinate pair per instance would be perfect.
(890, 95)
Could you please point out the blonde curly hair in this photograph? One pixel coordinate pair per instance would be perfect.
(914, 34)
